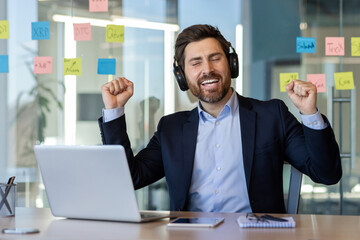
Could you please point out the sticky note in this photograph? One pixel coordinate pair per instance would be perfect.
(319, 80)
(305, 45)
(107, 66)
(4, 63)
(98, 5)
(72, 66)
(42, 65)
(40, 30)
(4, 29)
(285, 79)
(114, 33)
(355, 46)
(334, 46)
(82, 32)
(344, 80)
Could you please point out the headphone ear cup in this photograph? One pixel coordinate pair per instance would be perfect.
(234, 64)
(180, 77)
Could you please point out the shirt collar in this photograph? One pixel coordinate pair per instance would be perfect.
(231, 106)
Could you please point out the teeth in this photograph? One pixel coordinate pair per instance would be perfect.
(209, 81)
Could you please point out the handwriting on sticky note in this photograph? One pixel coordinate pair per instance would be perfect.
(107, 66)
(43, 65)
(98, 5)
(72, 66)
(4, 63)
(285, 79)
(355, 46)
(82, 31)
(4, 29)
(319, 80)
(114, 33)
(344, 80)
(40, 30)
(334, 46)
(305, 45)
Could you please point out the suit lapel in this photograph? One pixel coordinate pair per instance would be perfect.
(247, 125)
(189, 138)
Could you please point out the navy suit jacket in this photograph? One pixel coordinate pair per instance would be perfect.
(270, 135)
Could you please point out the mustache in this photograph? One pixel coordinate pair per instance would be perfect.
(208, 77)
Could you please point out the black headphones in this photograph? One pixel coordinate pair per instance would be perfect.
(180, 75)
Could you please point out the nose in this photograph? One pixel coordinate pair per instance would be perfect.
(207, 67)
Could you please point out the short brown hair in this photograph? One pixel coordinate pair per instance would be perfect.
(196, 33)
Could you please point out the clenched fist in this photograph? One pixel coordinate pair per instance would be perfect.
(116, 93)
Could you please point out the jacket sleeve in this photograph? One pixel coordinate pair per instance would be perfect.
(313, 152)
(146, 167)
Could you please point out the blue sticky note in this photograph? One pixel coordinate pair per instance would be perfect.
(107, 66)
(305, 45)
(4, 63)
(40, 30)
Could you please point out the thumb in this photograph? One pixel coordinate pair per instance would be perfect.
(290, 87)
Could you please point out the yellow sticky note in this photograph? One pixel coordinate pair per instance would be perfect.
(72, 66)
(114, 33)
(285, 79)
(355, 46)
(4, 29)
(344, 80)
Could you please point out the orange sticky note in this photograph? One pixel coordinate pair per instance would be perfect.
(319, 80)
(334, 46)
(82, 32)
(42, 65)
(344, 80)
(4, 29)
(285, 79)
(98, 5)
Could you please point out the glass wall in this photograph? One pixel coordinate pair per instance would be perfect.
(57, 109)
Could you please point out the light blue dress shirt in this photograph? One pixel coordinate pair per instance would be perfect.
(218, 180)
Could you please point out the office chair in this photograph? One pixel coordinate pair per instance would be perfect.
(294, 191)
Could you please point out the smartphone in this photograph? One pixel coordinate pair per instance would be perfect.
(20, 230)
(196, 222)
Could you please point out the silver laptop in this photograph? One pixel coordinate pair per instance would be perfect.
(90, 182)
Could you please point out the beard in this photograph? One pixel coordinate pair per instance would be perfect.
(212, 96)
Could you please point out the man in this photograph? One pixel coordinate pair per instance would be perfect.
(228, 153)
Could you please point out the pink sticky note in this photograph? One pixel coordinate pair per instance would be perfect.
(334, 46)
(319, 80)
(98, 5)
(82, 31)
(42, 65)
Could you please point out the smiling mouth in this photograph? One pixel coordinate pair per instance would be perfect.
(210, 81)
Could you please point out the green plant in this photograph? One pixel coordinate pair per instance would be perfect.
(41, 96)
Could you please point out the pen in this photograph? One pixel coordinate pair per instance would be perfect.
(7, 190)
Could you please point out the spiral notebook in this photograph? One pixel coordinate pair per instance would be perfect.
(244, 222)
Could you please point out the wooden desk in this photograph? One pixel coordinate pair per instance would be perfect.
(308, 227)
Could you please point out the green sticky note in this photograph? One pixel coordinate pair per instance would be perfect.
(4, 29)
(355, 46)
(285, 79)
(344, 80)
(72, 66)
(114, 33)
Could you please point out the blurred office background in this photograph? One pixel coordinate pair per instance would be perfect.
(58, 109)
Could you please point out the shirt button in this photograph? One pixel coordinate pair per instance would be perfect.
(218, 168)
(315, 123)
(217, 145)
(216, 191)
(217, 123)
(309, 123)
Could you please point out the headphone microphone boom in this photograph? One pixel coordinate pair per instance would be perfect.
(180, 75)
